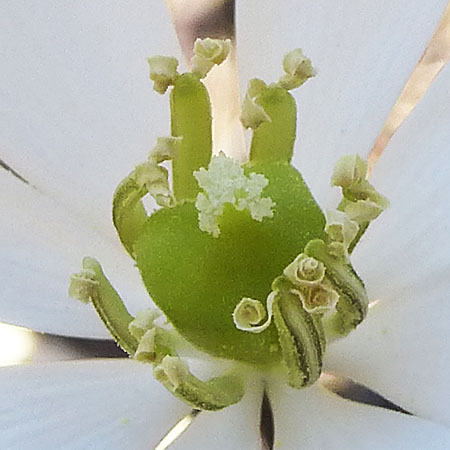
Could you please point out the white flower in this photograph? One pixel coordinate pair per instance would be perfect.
(77, 111)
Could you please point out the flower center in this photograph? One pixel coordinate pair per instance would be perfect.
(229, 238)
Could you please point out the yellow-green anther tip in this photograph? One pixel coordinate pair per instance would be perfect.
(341, 229)
(81, 285)
(255, 87)
(363, 211)
(166, 149)
(208, 53)
(348, 171)
(163, 72)
(305, 271)
(143, 322)
(155, 178)
(318, 298)
(298, 68)
(172, 369)
(252, 114)
(248, 312)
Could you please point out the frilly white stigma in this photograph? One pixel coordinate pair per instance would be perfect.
(225, 182)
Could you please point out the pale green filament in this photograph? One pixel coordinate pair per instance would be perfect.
(208, 53)
(212, 395)
(91, 285)
(224, 182)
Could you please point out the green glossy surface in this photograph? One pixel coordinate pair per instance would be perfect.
(274, 141)
(191, 120)
(197, 280)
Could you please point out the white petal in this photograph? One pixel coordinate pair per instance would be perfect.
(78, 110)
(79, 405)
(42, 246)
(235, 427)
(402, 349)
(363, 51)
(314, 418)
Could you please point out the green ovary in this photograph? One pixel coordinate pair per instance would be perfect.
(197, 279)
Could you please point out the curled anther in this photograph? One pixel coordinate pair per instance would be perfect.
(298, 68)
(352, 304)
(341, 231)
(249, 312)
(318, 299)
(82, 285)
(305, 271)
(208, 53)
(155, 178)
(363, 210)
(361, 202)
(154, 346)
(253, 114)
(166, 149)
(350, 170)
(143, 322)
(163, 72)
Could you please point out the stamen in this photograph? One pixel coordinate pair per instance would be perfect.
(351, 308)
(208, 53)
(163, 72)
(298, 68)
(341, 230)
(154, 346)
(253, 114)
(212, 395)
(319, 298)
(249, 312)
(91, 285)
(362, 203)
(155, 179)
(300, 340)
(166, 148)
(305, 271)
(350, 170)
(144, 321)
(363, 211)
(82, 285)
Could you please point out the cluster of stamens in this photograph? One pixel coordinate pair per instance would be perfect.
(315, 294)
